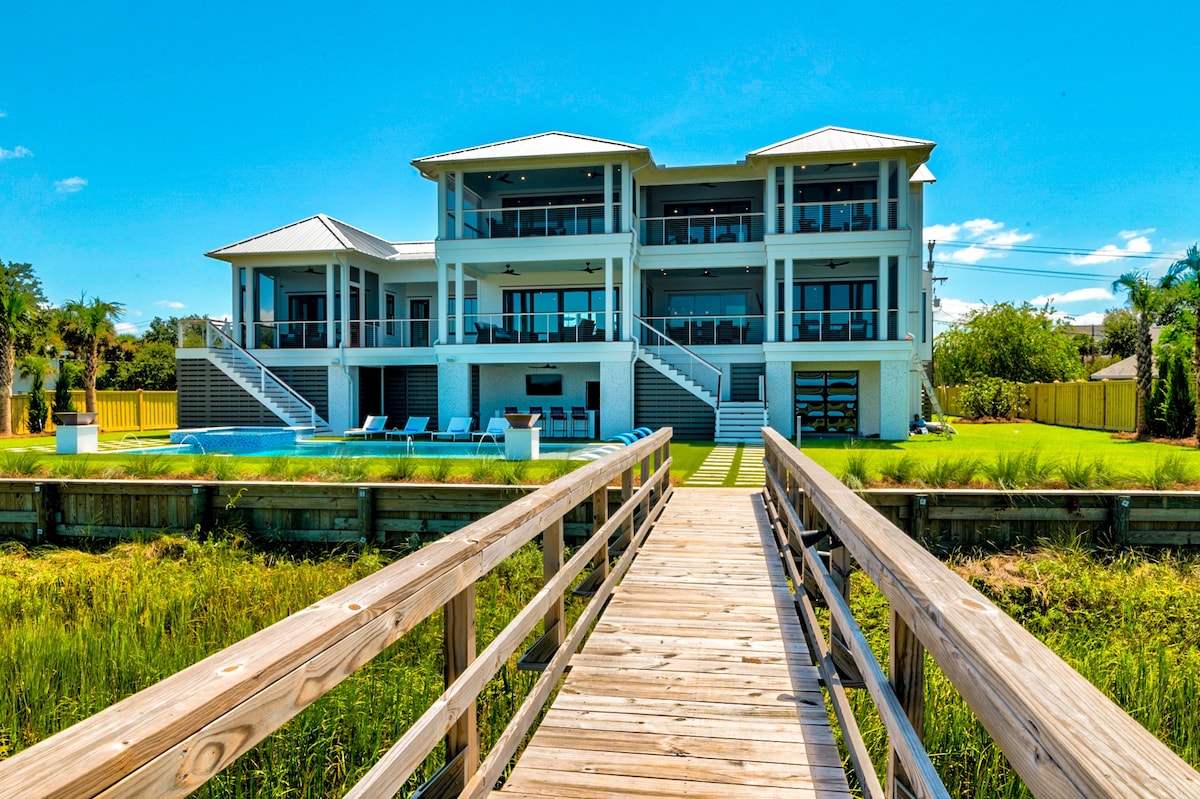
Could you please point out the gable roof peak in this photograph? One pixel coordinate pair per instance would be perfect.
(832, 138)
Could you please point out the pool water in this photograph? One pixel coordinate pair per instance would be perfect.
(393, 449)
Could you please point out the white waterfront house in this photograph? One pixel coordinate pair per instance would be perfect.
(786, 288)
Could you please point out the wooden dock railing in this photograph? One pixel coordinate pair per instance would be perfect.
(1062, 735)
(172, 737)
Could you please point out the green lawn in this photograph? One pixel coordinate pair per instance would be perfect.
(1006, 455)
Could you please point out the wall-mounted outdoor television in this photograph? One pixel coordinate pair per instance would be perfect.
(543, 385)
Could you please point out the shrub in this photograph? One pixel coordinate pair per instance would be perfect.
(482, 470)
(144, 467)
(857, 471)
(400, 468)
(38, 410)
(439, 469)
(949, 472)
(512, 472)
(21, 464)
(993, 397)
(77, 467)
(1168, 472)
(901, 470)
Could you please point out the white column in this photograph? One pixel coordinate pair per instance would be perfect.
(251, 310)
(238, 334)
(345, 276)
(460, 301)
(881, 299)
(330, 310)
(459, 221)
(626, 198)
(789, 193)
(769, 200)
(789, 298)
(901, 194)
(881, 191)
(441, 205)
(443, 300)
(608, 298)
(626, 299)
(902, 301)
(608, 186)
(769, 298)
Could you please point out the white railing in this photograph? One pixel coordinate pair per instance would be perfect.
(694, 331)
(546, 220)
(861, 325)
(841, 216)
(219, 339)
(701, 229)
(538, 328)
(680, 358)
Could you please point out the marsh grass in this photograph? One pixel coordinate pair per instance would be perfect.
(343, 469)
(84, 630)
(21, 464)
(1129, 624)
(901, 470)
(483, 470)
(512, 472)
(76, 467)
(1167, 471)
(856, 471)
(949, 471)
(400, 468)
(438, 469)
(1015, 470)
(561, 467)
(143, 467)
(1083, 473)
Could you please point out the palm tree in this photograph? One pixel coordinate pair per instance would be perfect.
(1143, 298)
(14, 311)
(87, 328)
(1185, 273)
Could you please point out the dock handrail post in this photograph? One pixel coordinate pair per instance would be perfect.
(462, 740)
(906, 671)
(554, 622)
(599, 519)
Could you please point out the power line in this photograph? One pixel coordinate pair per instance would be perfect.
(1072, 251)
(1020, 270)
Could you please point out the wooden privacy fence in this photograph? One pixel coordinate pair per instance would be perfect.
(119, 411)
(1062, 735)
(172, 737)
(1094, 405)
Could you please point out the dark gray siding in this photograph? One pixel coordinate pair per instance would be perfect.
(207, 398)
(659, 402)
(744, 381)
(410, 391)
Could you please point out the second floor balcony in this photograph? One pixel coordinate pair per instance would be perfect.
(702, 229)
(538, 221)
(850, 216)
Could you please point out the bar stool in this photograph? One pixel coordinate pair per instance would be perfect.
(579, 416)
(557, 416)
(541, 422)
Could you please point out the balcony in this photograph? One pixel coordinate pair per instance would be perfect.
(691, 331)
(538, 328)
(827, 326)
(538, 221)
(286, 335)
(702, 229)
(852, 216)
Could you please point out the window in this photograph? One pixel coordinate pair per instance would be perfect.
(543, 385)
(827, 402)
(470, 313)
(834, 310)
(537, 313)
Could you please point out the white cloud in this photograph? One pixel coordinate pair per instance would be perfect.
(1093, 318)
(978, 227)
(16, 152)
(1133, 234)
(174, 305)
(1078, 295)
(951, 310)
(3, 114)
(124, 328)
(70, 185)
(986, 238)
(1112, 252)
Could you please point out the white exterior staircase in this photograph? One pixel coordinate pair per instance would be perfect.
(741, 422)
(261, 383)
(677, 376)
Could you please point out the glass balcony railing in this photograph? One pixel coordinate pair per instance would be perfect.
(850, 216)
(704, 229)
(565, 327)
(548, 220)
(705, 330)
(861, 325)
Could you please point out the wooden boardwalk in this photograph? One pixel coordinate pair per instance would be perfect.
(696, 680)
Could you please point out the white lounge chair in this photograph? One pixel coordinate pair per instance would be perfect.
(415, 426)
(459, 426)
(373, 426)
(496, 428)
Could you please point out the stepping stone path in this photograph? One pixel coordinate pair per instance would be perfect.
(719, 464)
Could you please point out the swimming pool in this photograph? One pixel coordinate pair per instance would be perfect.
(388, 449)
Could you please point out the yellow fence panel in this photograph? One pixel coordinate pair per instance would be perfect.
(1104, 405)
(119, 411)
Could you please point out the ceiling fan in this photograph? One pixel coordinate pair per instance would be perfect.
(500, 178)
(831, 166)
(508, 270)
(587, 267)
(835, 264)
(592, 174)
(707, 273)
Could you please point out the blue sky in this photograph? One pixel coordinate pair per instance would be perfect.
(134, 139)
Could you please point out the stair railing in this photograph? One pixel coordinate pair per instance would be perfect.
(218, 338)
(680, 357)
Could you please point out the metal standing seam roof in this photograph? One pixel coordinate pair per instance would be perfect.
(550, 143)
(831, 139)
(319, 233)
